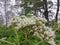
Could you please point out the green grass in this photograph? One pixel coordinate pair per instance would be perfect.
(57, 38)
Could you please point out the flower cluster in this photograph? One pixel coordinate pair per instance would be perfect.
(39, 29)
(22, 21)
(45, 33)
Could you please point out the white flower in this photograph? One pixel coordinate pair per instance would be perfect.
(51, 42)
(40, 31)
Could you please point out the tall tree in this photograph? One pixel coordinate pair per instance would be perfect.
(32, 5)
(36, 5)
(57, 10)
(46, 9)
(5, 10)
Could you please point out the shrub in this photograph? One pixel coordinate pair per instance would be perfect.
(28, 30)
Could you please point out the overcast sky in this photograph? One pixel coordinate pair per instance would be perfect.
(54, 0)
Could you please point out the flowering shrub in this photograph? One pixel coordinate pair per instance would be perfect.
(35, 25)
(23, 21)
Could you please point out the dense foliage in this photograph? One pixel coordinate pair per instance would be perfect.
(27, 30)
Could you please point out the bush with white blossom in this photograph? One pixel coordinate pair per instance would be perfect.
(33, 24)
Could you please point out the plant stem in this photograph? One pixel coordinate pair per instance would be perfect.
(17, 37)
(25, 38)
(7, 42)
(38, 43)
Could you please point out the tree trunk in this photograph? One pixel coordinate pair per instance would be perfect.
(5, 11)
(46, 10)
(57, 10)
